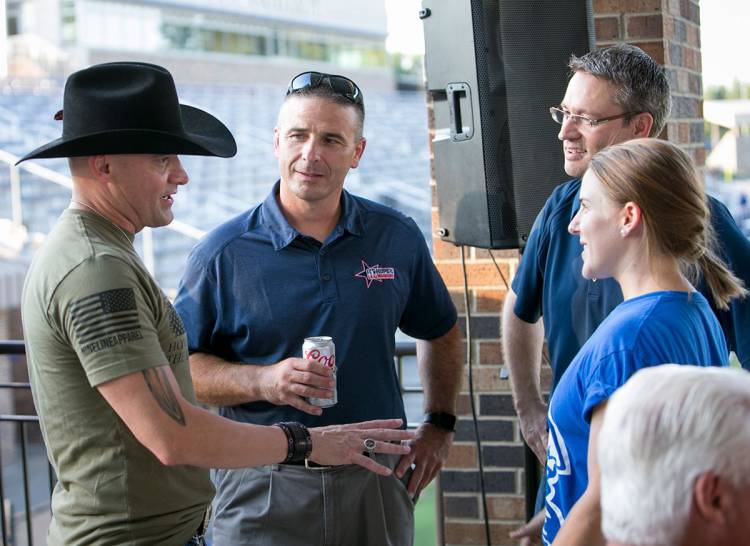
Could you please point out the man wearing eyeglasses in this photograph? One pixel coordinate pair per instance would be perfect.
(614, 94)
(314, 260)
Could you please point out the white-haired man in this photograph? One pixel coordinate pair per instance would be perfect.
(674, 458)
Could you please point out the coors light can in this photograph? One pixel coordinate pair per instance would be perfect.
(323, 350)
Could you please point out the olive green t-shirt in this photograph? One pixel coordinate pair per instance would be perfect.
(92, 313)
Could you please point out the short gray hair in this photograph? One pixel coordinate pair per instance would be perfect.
(325, 92)
(663, 429)
(642, 84)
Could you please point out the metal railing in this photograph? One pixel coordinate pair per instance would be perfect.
(22, 423)
(404, 351)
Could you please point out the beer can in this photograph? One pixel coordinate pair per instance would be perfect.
(322, 349)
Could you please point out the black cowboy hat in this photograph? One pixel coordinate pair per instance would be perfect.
(132, 108)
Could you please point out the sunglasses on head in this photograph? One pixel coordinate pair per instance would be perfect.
(340, 85)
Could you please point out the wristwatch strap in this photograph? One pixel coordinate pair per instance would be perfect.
(441, 419)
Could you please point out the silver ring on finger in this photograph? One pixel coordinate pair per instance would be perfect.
(369, 444)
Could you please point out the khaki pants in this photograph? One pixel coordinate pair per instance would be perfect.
(286, 505)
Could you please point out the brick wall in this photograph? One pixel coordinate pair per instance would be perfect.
(668, 30)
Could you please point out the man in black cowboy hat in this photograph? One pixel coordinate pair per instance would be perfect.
(315, 260)
(108, 354)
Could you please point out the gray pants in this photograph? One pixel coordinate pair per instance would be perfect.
(285, 505)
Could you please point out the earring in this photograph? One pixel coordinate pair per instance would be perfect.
(623, 232)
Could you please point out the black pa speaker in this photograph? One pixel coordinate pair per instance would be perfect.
(493, 69)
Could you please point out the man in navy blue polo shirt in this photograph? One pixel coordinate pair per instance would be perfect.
(615, 94)
(314, 260)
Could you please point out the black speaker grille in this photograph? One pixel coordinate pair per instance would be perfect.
(494, 113)
(521, 52)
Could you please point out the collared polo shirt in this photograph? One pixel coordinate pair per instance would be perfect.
(255, 288)
(549, 283)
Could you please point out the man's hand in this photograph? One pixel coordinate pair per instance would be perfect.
(533, 422)
(292, 380)
(344, 444)
(429, 451)
(531, 533)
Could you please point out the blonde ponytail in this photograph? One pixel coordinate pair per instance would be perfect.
(723, 285)
(660, 177)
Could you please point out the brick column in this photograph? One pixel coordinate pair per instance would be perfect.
(668, 30)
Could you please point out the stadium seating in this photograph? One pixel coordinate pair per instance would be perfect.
(393, 171)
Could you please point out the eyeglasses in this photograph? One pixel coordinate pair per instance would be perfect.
(560, 115)
(340, 85)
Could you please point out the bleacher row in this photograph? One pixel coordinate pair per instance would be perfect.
(393, 171)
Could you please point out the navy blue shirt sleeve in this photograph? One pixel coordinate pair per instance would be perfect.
(429, 311)
(196, 303)
(528, 283)
(735, 250)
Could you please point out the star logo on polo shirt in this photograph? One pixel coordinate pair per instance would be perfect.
(371, 273)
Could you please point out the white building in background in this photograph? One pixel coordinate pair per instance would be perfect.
(233, 58)
(238, 41)
(730, 152)
(728, 163)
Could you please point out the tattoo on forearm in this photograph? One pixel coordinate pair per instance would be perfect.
(161, 390)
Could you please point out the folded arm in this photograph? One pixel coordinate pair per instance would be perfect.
(289, 382)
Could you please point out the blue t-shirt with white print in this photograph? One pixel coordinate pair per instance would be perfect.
(655, 328)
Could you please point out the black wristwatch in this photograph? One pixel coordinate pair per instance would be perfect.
(441, 419)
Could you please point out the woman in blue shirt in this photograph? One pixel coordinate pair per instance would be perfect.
(643, 221)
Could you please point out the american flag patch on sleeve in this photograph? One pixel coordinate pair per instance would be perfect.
(105, 319)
